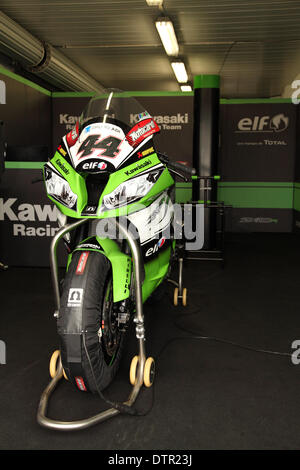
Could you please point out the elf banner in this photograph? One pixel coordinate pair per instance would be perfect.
(257, 156)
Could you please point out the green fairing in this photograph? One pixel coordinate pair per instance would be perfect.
(156, 269)
(77, 184)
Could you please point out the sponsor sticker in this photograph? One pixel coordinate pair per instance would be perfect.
(73, 135)
(61, 151)
(89, 245)
(146, 152)
(82, 263)
(62, 166)
(80, 384)
(94, 165)
(75, 297)
(156, 247)
(141, 131)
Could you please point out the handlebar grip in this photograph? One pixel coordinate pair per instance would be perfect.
(176, 166)
(180, 167)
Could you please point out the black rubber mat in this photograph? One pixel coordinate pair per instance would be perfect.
(226, 389)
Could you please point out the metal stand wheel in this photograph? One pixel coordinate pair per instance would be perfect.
(133, 370)
(180, 292)
(53, 365)
(149, 372)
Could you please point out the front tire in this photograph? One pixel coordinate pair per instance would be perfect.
(91, 341)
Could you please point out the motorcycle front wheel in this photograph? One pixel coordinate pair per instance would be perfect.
(91, 342)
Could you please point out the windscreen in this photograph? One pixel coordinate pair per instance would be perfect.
(113, 107)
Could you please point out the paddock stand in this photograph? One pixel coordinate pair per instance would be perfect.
(182, 255)
(141, 370)
(180, 292)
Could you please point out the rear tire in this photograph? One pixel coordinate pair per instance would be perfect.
(91, 342)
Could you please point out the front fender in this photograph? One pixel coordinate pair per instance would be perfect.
(121, 264)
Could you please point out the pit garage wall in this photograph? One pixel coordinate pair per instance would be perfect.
(257, 164)
(257, 176)
(256, 160)
(27, 217)
(25, 109)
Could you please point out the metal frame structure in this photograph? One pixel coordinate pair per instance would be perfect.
(42, 419)
(217, 253)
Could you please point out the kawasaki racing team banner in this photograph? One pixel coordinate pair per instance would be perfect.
(28, 220)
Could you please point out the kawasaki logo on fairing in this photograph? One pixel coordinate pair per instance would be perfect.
(62, 166)
(139, 167)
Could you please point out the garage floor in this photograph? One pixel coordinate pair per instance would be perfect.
(208, 393)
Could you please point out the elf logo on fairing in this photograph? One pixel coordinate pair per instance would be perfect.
(94, 166)
(277, 123)
(2, 92)
(156, 247)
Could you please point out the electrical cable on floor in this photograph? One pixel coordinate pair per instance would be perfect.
(121, 407)
(130, 410)
(226, 341)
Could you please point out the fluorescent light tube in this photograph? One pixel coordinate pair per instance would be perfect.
(154, 3)
(180, 72)
(186, 88)
(167, 35)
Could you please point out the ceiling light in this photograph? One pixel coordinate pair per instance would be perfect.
(180, 72)
(154, 3)
(167, 35)
(186, 88)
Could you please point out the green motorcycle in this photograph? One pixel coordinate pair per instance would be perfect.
(115, 198)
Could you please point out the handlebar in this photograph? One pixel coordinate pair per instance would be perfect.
(176, 166)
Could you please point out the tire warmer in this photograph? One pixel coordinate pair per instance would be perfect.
(70, 324)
